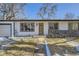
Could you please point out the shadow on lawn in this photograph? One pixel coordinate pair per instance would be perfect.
(62, 49)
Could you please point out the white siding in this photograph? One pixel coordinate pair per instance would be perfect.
(36, 32)
(5, 29)
(18, 33)
(45, 28)
(63, 25)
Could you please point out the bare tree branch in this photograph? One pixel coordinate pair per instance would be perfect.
(69, 16)
(9, 10)
(47, 11)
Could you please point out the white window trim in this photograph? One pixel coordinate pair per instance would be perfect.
(29, 28)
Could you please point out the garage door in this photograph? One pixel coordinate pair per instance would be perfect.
(5, 29)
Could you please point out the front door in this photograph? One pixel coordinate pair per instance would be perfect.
(41, 28)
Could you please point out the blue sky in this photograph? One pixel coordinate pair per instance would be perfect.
(31, 10)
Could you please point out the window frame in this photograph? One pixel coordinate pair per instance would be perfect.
(53, 26)
(29, 27)
(72, 26)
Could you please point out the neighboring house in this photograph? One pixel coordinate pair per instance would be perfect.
(56, 28)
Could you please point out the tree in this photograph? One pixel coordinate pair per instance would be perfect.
(69, 16)
(9, 11)
(47, 10)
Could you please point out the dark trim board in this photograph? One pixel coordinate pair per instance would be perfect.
(10, 27)
(40, 20)
(5, 24)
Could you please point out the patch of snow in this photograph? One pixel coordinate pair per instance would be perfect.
(77, 48)
(56, 54)
(3, 39)
(75, 44)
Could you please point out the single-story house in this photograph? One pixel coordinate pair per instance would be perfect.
(55, 28)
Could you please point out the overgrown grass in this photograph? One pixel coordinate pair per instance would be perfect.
(56, 40)
(76, 39)
(26, 46)
(20, 48)
(60, 46)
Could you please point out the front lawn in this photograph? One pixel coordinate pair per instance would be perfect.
(20, 48)
(76, 39)
(57, 41)
(60, 46)
(26, 47)
(23, 47)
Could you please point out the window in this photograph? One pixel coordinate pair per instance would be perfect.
(26, 27)
(56, 26)
(70, 26)
(73, 26)
(53, 26)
